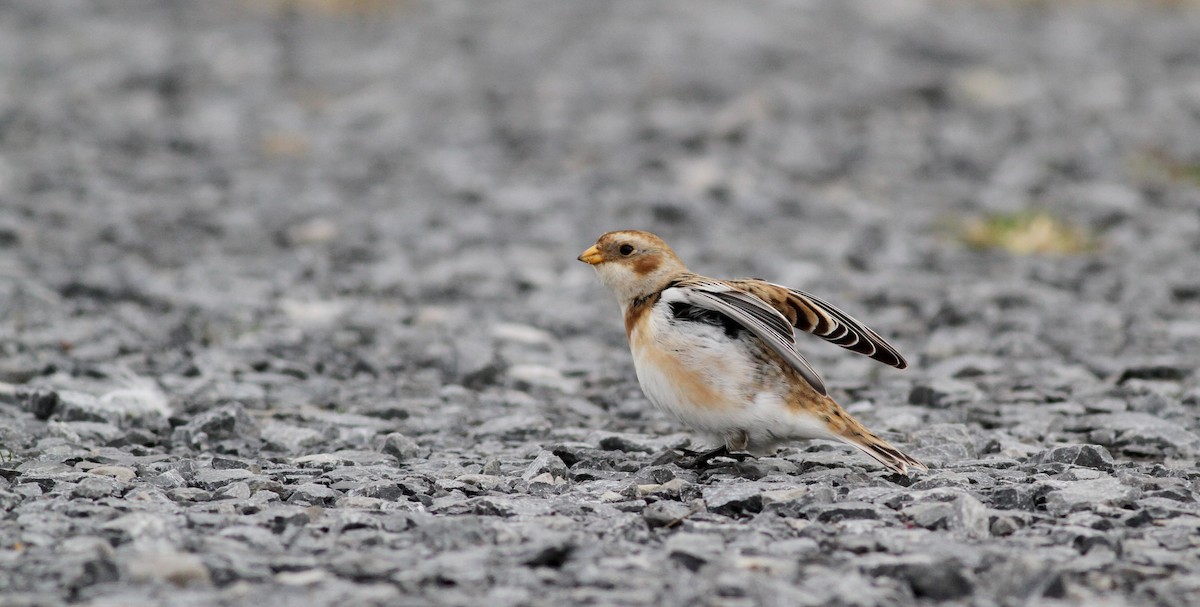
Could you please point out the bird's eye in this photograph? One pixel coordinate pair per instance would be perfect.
(626, 249)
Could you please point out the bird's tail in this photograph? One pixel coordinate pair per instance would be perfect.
(883, 452)
(835, 423)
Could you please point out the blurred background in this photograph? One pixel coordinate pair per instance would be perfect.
(326, 249)
(383, 172)
(251, 159)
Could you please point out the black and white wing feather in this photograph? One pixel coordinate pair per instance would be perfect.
(826, 321)
(750, 312)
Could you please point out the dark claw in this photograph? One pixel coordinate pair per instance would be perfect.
(702, 460)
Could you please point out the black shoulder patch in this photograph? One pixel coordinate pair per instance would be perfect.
(687, 312)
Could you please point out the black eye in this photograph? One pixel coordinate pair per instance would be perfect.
(626, 249)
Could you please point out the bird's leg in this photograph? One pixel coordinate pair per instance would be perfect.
(702, 460)
(734, 448)
(737, 441)
(684, 457)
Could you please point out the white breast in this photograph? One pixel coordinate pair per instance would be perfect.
(712, 383)
(693, 371)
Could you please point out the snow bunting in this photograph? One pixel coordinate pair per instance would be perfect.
(720, 356)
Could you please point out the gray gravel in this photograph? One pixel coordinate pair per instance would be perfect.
(289, 309)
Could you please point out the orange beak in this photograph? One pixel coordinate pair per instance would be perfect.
(591, 256)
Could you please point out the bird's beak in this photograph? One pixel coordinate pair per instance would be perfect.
(591, 256)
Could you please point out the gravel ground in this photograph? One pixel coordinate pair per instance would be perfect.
(290, 311)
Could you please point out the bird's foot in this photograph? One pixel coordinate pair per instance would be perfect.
(704, 459)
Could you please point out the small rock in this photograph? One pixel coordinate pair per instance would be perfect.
(263, 497)
(28, 490)
(1090, 456)
(939, 581)
(314, 314)
(308, 577)
(943, 443)
(778, 568)
(348, 457)
(536, 376)
(521, 334)
(225, 462)
(383, 490)
(843, 511)
(734, 500)
(512, 427)
(621, 443)
(965, 515)
(41, 403)
(1080, 474)
(794, 502)
(87, 432)
(661, 514)
(313, 493)
(1082, 495)
(120, 473)
(943, 393)
(783, 496)
(1004, 526)
(239, 491)
(546, 483)
(286, 437)
(492, 467)
(230, 422)
(545, 462)
(1137, 432)
(1016, 497)
(177, 568)
(211, 478)
(139, 404)
(693, 550)
(482, 482)
(552, 552)
(676, 489)
(17, 371)
(607, 496)
(359, 502)
(401, 447)
(1160, 372)
(967, 366)
(314, 231)
(96, 487)
(86, 561)
(759, 468)
(189, 494)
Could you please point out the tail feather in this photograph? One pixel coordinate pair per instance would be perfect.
(883, 452)
(826, 419)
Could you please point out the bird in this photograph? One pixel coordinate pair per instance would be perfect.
(720, 355)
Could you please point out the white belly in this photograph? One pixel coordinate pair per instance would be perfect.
(715, 385)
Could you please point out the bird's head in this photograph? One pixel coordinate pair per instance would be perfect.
(633, 263)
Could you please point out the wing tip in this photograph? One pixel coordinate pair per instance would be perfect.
(814, 381)
(894, 360)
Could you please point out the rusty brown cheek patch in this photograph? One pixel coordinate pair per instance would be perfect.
(646, 264)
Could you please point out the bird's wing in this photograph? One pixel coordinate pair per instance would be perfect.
(749, 311)
(817, 316)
